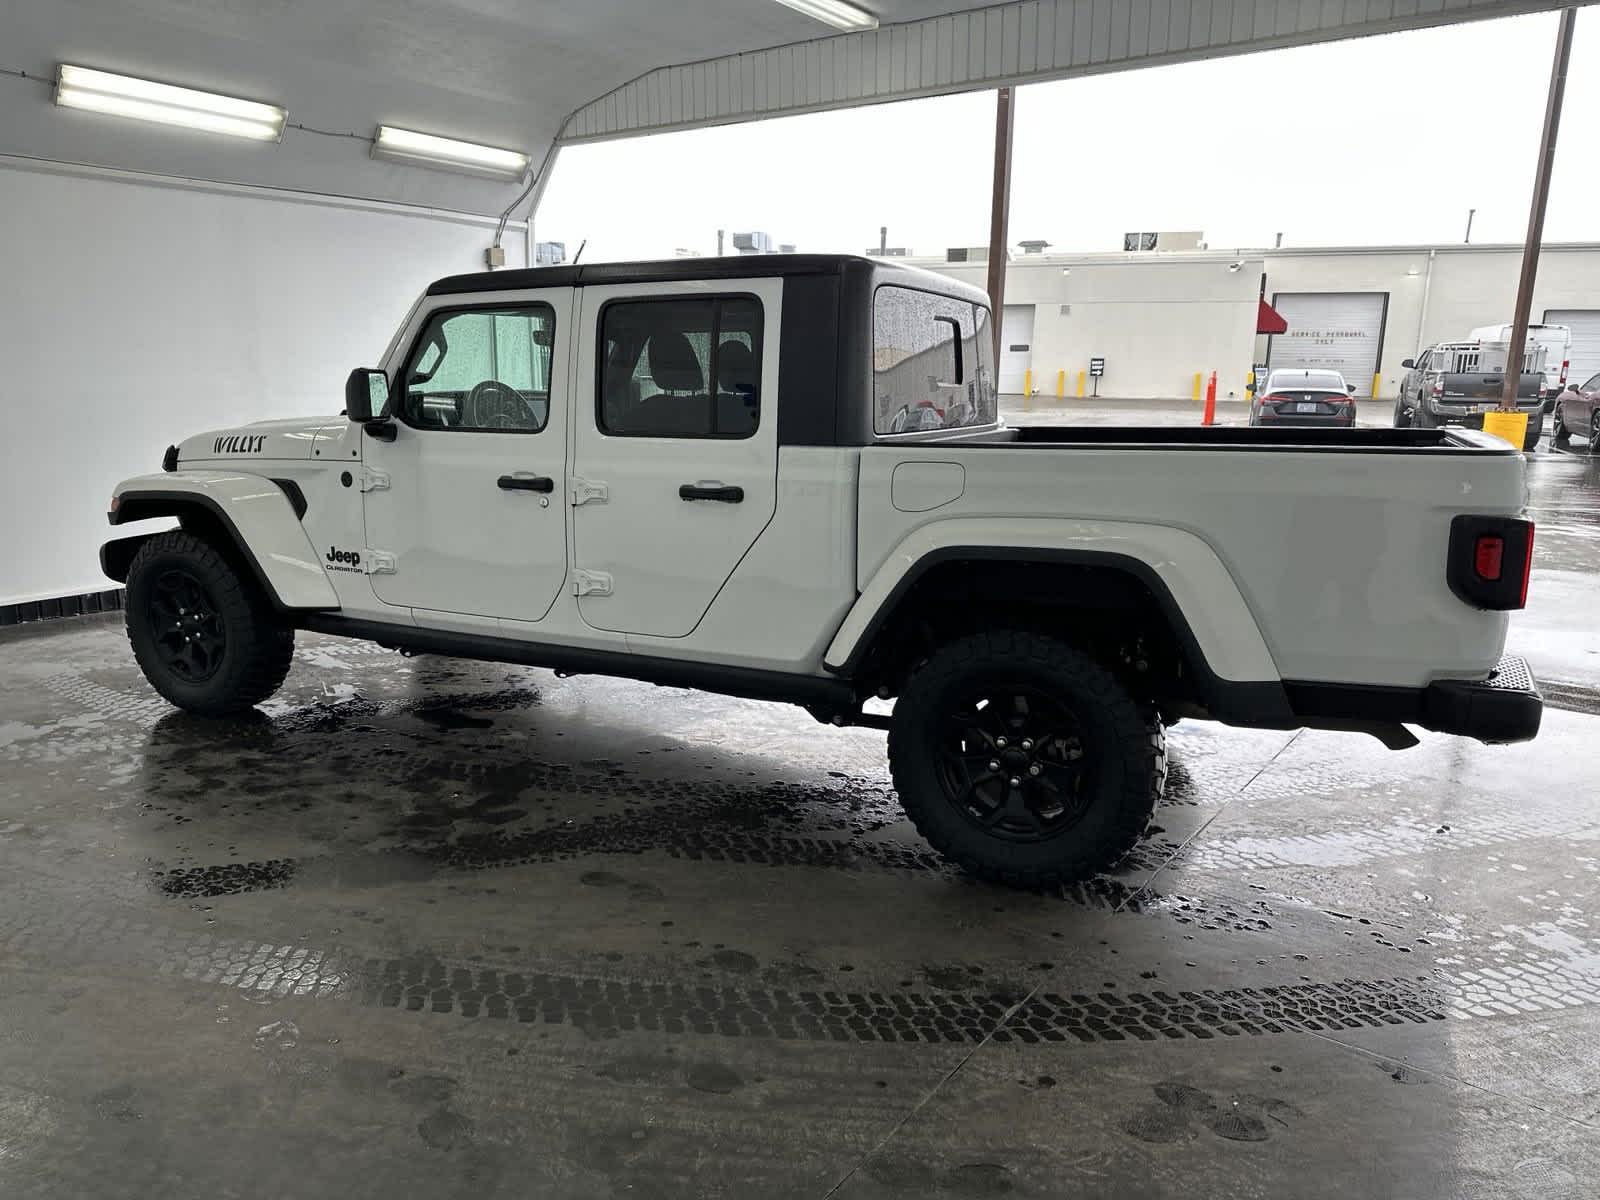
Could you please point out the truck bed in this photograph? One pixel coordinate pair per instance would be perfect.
(1245, 437)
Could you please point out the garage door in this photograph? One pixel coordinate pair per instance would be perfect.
(1585, 353)
(1016, 346)
(1330, 331)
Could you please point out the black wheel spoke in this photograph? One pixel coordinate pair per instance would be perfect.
(1011, 757)
(187, 630)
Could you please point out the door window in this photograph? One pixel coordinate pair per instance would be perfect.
(680, 368)
(482, 370)
(932, 362)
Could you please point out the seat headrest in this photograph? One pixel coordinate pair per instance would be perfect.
(673, 363)
(736, 367)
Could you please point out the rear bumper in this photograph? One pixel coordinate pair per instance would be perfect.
(1325, 422)
(1505, 707)
(1534, 411)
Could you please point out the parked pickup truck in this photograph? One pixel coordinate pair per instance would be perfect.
(1455, 383)
(690, 473)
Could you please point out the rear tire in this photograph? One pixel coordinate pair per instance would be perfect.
(1402, 415)
(205, 636)
(1530, 440)
(1081, 763)
(1560, 435)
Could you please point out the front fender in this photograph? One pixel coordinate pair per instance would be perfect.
(253, 510)
(1182, 571)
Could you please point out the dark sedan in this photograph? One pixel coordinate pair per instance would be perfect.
(1305, 398)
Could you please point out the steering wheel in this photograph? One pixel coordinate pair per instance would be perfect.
(495, 405)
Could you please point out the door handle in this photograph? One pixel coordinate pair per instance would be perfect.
(732, 494)
(527, 483)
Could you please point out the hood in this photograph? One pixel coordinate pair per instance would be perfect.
(290, 439)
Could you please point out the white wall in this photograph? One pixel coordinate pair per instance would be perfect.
(1156, 319)
(1471, 286)
(1159, 317)
(135, 312)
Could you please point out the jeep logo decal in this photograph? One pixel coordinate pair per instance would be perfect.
(344, 560)
(239, 443)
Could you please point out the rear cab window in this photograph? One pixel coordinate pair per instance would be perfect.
(680, 367)
(932, 363)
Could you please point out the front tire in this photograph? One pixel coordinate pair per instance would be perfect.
(205, 636)
(1024, 761)
(1560, 435)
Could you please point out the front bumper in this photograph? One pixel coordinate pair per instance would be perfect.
(1505, 707)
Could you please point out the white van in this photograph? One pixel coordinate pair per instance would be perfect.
(1556, 340)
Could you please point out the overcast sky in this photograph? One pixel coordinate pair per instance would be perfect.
(1376, 141)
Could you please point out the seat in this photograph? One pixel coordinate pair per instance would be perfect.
(678, 408)
(738, 389)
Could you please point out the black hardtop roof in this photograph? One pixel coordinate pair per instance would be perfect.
(746, 266)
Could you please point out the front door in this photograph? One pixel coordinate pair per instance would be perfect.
(469, 498)
(675, 451)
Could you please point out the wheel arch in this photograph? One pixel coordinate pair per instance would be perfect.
(1229, 667)
(258, 528)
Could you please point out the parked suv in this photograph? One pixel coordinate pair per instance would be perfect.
(784, 477)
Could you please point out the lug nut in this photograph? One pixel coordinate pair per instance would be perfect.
(994, 764)
(1016, 782)
(1035, 769)
(1001, 742)
(1027, 743)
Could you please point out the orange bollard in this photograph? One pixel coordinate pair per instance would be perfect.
(1211, 402)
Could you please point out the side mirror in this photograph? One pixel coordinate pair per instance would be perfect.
(1408, 363)
(366, 395)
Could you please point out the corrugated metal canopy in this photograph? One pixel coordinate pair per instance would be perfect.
(988, 46)
(526, 74)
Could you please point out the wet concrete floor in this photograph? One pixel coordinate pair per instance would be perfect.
(434, 928)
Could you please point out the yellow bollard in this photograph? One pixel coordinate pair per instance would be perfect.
(1061, 385)
(1508, 426)
(1197, 375)
(1081, 376)
(1027, 389)
(1377, 384)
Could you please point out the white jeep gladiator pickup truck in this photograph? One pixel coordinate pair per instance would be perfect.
(785, 478)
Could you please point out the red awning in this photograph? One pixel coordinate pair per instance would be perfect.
(1268, 320)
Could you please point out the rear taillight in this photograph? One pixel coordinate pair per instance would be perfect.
(1487, 555)
(1527, 569)
(1275, 399)
(1438, 387)
(1563, 380)
(1490, 559)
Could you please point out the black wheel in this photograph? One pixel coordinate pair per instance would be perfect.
(1402, 415)
(1560, 435)
(1023, 760)
(205, 637)
(1594, 432)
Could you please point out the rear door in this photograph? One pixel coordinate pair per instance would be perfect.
(675, 451)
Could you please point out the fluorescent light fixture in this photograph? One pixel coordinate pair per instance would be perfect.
(835, 12)
(125, 96)
(426, 150)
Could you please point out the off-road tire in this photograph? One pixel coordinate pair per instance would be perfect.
(1124, 735)
(257, 644)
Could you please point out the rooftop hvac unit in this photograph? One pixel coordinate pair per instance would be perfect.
(957, 254)
(549, 254)
(752, 243)
(1034, 247)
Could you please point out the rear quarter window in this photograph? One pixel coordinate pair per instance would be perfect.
(932, 362)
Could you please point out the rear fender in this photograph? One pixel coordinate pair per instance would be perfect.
(1196, 591)
(254, 512)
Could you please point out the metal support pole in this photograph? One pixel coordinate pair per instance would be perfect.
(1541, 194)
(999, 215)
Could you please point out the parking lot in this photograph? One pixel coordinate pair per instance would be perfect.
(432, 927)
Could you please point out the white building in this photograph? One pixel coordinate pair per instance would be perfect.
(1160, 318)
